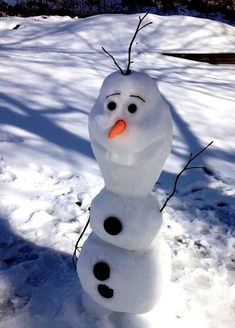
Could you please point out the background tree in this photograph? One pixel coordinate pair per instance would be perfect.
(83, 8)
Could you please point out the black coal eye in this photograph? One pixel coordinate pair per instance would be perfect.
(111, 105)
(132, 108)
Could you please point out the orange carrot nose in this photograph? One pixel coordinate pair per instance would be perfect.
(117, 129)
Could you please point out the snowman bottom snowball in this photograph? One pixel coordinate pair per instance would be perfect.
(122, 280)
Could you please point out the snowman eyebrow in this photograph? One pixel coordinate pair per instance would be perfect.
(137, 97)
(113, 94)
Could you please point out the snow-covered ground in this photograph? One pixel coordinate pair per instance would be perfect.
(50, 74)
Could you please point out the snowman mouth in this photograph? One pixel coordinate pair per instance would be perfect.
(105, 291)
(118, 128)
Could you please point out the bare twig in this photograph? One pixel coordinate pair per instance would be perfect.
(76, 248)
(139, 27)
(115, 62)
(191, 158)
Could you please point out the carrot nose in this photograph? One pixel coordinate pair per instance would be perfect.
(117, 129)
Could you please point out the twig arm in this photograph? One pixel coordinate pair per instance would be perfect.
(76, 248)
(201, 151)
(186, 167)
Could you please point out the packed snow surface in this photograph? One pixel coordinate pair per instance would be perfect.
(51, 71)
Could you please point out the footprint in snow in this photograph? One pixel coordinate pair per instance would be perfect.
(16, 254)
(8, 137)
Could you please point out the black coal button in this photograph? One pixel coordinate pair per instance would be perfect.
(112, 226)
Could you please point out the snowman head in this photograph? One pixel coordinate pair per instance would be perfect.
(129, 114)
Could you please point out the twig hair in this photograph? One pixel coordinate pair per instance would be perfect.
(138, 28)
(113, 60)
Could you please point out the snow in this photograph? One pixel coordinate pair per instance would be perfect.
(51, 72)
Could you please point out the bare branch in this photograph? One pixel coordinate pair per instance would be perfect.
(191, 158)
(77, 248)
(145, 25)
(201, 151)
(139, 27)
(145, 15)
(113, 59)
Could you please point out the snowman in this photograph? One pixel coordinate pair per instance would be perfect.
(123, 265)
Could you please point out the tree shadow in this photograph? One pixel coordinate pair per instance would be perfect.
(38, 124)
(199, 189)
(38, 282)
(39, 288)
